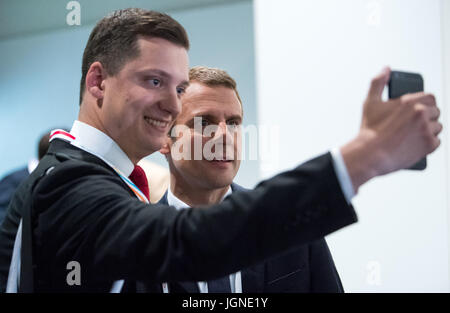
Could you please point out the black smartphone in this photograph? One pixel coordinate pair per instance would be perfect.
(401, 83)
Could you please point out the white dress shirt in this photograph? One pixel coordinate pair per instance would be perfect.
(342, 174)
(94, 141)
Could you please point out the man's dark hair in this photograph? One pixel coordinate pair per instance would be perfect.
(43, 145)
(113, 41)
(44, 142)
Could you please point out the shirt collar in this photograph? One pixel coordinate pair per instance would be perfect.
(172, 200)
(99, 144)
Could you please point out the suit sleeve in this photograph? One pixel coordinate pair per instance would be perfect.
(84, 213)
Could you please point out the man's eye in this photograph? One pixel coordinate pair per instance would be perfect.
(205, 122)
(233, 124)
(199, 121)
(180, 90)
(155, 82)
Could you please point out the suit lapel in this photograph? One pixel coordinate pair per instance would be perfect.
(236, 187)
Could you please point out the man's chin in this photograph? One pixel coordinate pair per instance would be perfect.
(150, 148)
(219, 182)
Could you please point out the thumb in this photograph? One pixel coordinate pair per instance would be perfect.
(378, 83)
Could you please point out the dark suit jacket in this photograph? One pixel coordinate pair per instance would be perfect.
(309, 268)
(8, 186)
(82, 211)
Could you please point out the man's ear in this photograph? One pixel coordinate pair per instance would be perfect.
(166, 147)
(95, 80)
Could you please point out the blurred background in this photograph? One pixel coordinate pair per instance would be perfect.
(303, 69)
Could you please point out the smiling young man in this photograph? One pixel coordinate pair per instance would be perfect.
(137, 105)
(212, 101)
(83, 212)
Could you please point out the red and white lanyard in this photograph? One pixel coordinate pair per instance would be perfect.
(62, 134)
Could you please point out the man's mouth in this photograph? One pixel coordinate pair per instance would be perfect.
(221, 163)
(221, 160)
(155, 122)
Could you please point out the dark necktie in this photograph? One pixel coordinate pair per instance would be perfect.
(139, 178)
(221, 285)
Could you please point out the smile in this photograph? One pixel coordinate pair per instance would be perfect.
(156, 123)
(224, 160)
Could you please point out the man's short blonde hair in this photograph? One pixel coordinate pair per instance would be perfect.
(213, 77)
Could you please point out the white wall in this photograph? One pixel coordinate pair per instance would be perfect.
(445, 22)
(315, 59)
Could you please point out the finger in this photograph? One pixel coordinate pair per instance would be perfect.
(378, 83)
(436, 128)
(433, 112)
(420, 97)
(435, 144)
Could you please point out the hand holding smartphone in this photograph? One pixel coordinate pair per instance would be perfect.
(401, 83)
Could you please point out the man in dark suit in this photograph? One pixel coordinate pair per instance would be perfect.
(213, 100)
(10, 182)
(82, 220)
(8, 185)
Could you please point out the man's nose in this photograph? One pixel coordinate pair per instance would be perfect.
(171, 104)
(221, 131)
(223, 135)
